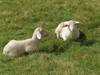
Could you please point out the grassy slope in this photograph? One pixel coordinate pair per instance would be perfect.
(19, 18)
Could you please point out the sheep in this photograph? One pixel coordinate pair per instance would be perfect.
(68, 30)
(16, 48)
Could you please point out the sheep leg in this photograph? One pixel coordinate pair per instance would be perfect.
(13, 54)
(64, 38)
(58, 35)
(30, 49)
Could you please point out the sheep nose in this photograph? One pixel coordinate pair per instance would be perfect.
(73, 30)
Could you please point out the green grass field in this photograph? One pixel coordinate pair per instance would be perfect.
(19, 18)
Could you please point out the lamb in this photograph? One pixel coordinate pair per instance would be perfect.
(68, 30)
(16, 48)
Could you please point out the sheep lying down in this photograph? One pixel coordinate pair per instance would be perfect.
(68, 30)
(16, 48)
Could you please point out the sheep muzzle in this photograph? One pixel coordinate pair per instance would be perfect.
(73, 30)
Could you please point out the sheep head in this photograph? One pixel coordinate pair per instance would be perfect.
(71, 25)
(40, 32)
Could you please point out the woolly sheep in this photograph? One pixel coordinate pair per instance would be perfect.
(16, 48)
(68, 30)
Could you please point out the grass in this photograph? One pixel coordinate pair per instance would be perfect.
(19, 18)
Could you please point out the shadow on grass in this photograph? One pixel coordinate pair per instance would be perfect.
(57, 47)
(56, 50)
(83, 40)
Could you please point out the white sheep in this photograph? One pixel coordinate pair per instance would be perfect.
(16, 48)
(68, 30)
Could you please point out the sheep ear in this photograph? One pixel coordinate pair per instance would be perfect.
(77, 23)
(64, 25)
(38, 35)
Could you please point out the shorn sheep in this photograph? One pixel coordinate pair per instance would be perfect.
(17, 48)
(68, 30)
